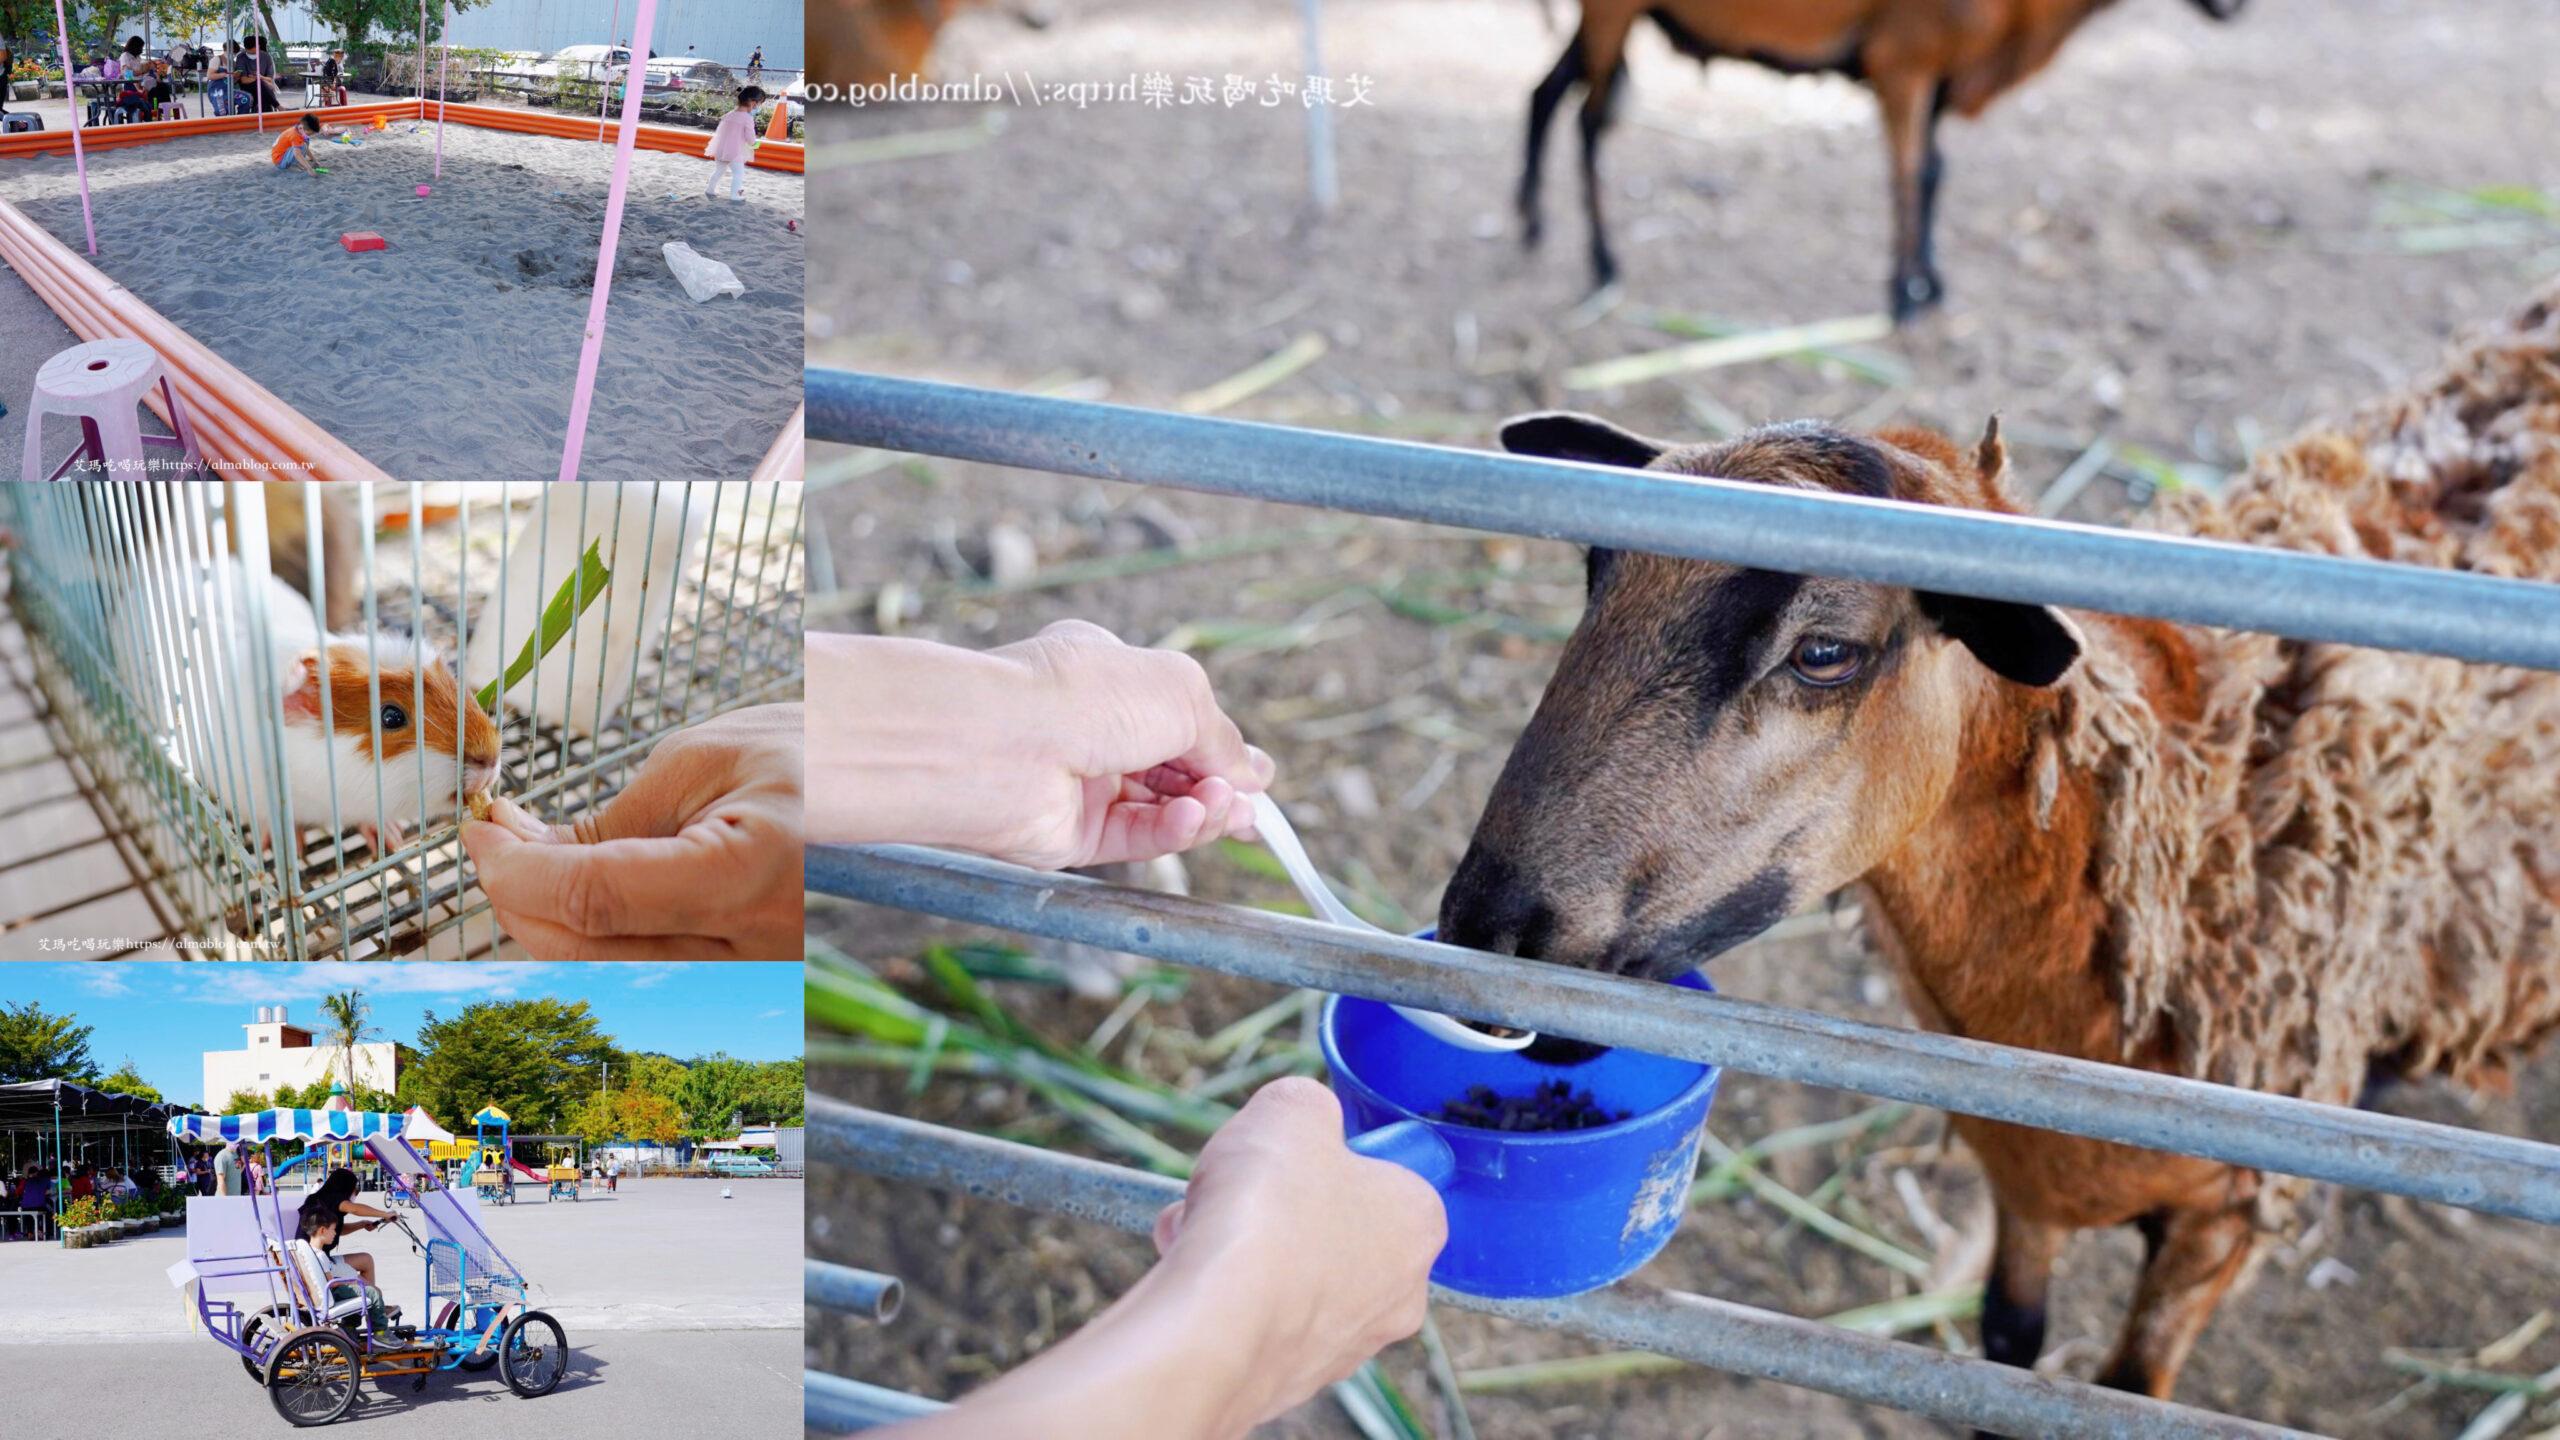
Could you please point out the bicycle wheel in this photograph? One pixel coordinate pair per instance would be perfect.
(533, 1354)
(250, 1329)
(477, 1363)
(312, 1377)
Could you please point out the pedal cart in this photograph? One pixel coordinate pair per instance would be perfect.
(305, 1334)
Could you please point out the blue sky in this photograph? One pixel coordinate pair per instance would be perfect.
(166, 1014)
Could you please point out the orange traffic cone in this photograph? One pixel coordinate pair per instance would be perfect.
(780, 127)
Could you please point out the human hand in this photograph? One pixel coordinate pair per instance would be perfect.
(1290, 1261)
(1314, 1258)
(699, 858)
(1064, 750)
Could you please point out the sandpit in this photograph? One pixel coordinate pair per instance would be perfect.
(451, 354)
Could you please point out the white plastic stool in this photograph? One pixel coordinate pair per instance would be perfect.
(102, 382)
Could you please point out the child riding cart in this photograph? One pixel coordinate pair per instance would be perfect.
(306, 1329)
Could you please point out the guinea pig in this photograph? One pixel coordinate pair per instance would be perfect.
(314, 695)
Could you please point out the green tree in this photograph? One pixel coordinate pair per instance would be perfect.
(660, 1075)
(538, 1060)
(347, 1030)
(127, 1080)
(358, 19)
(714, 1090)
(627, 1115)
(38, 1046)
(778, 1093)
(246, 1102)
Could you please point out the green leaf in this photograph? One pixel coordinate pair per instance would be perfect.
(575, 595)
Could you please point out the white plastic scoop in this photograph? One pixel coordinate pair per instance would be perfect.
(1319, 896)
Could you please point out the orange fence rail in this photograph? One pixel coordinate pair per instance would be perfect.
(240, 424)
(673, 140)
(785, 460)
(152, 132)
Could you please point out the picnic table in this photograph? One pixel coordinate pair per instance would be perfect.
(37, 1222)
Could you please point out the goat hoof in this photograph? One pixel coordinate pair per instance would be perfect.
(1914, 293)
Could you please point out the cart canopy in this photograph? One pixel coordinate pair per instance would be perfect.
(289, 1125)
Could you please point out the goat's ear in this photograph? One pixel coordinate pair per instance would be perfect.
(1991, 455)
(1568, 435)
(2030, 644)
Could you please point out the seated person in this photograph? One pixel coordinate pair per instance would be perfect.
(159, 88)
(293, 147)
(255, 73)
(341, 1279)
(335, 1200)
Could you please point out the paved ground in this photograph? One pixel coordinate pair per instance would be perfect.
(628, 1386)
(660, 1255)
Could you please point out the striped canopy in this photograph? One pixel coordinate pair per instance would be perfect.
(288, 1125)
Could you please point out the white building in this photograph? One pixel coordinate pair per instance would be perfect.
(279, 1053)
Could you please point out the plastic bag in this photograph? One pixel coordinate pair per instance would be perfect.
(701, 278)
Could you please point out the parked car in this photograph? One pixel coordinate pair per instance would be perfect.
(737, 1165)
(675, 75)
(582, 62)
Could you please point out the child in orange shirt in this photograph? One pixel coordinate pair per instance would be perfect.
(293, 147)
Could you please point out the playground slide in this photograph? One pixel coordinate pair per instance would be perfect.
(525, 1173)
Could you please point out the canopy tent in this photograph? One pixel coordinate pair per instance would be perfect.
(58, 1110)
(416, 1126)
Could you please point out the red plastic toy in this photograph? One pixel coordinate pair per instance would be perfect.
(363, 240)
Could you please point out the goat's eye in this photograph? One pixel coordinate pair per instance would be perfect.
(1823, 662)
(393, 717)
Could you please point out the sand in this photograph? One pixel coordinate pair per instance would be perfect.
(452, 354)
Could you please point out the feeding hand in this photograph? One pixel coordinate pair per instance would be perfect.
(1064, 750)
(698, 858)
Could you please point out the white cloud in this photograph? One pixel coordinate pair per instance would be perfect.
(263, 983)
(652, 973)
(101, 979)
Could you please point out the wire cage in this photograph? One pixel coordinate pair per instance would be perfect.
(275, 693)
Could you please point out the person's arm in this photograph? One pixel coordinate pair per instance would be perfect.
(1066, 749)
(1290, 1262)
(353, 1208)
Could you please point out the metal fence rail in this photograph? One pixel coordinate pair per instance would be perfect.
(854, 1292)
(1714, 1333)
(1963, 552)
(2471, 1168)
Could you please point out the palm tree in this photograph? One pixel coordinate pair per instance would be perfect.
(347, 1029)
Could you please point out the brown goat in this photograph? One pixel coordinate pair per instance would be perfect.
(1920, 57)
(2268, 863)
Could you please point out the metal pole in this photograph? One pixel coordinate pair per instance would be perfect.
(838, 1406)
(1930, 547)
(591, 350)
(856, 1292)
(1714, 1333)
(1320, 174)
(2479, 1171)
(71, 90)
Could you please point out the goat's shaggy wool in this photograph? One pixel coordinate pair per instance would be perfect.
(2351, 858)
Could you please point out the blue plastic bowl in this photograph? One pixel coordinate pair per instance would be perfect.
(1539, 1214)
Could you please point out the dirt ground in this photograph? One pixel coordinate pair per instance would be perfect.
(2188, 238)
